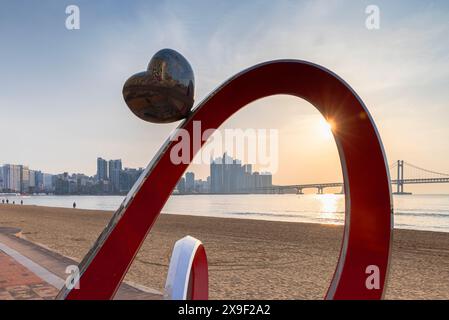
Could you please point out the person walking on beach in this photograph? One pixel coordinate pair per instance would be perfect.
(21, 202)
(74, 205)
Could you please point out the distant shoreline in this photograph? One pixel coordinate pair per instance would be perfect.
(412, 212)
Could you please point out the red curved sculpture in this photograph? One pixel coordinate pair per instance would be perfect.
(369, 220)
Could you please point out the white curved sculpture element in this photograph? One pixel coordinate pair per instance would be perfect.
(187, 277)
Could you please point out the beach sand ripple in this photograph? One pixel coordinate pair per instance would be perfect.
(248, 259)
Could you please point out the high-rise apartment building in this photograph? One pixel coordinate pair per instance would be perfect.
(128, 178)
(39, 181)
(216, 176)
(32, 186)
(1, 179)
(228, 175)
(12, 178)
(102, 169)
(115, 167)
(24, 179)
(190, 182)
(48, 182)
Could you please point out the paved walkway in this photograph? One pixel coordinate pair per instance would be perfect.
(18, 283)
(29, 272)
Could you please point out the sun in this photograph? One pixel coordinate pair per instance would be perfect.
(326, 127)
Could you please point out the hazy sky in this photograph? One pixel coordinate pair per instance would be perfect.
(61, 103)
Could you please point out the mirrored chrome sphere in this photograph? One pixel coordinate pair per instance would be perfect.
(163, 93)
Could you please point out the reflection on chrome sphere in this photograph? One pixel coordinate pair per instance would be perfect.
(163, 93)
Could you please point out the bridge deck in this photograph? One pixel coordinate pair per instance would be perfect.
(341, 184)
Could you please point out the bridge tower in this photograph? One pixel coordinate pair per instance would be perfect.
(400, 177)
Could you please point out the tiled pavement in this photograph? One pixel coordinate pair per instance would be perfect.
(18, 283)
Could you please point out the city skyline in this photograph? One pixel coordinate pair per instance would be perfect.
(226, 175)
(400, 71)
(111, 178)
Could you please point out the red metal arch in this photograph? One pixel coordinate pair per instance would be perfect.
(369, 217)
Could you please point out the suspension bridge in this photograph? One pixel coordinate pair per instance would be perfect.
(405, 173)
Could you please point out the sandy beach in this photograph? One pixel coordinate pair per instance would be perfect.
(248, 259)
